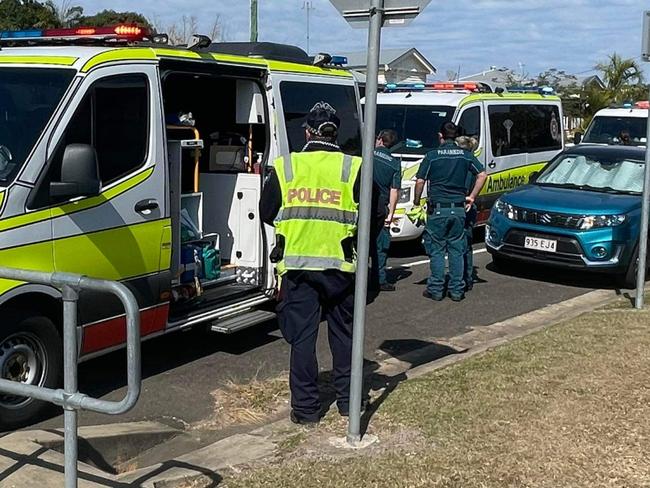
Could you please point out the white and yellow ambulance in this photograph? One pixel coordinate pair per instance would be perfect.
(518, 132)
(142, 163)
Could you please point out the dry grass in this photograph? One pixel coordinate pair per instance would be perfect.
(567, 407)
(248, 403)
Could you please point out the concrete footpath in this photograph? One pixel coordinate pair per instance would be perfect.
(34, 458)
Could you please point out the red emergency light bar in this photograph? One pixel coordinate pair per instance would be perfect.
(124, 32)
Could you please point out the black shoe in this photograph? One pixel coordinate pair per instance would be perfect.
(428, 295)
(457, 298)
(469, 286)
(387, 287)
(302, 421)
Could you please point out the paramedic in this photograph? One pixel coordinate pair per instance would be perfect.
(470, 144)
(387, 176)
(312, 198)
(445, 171)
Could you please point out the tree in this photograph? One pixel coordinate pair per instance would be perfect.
(67, 14)
(181, 31)
(107, 18)
(623, 77)
(26, 14)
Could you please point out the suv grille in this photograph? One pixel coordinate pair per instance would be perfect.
(552, 219)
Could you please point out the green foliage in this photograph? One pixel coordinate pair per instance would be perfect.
(107, 18)
(25, 14)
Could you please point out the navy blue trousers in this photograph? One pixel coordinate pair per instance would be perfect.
(307, 297)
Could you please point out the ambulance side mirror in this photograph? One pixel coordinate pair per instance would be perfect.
(79, 173)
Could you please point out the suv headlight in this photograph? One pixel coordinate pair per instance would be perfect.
(599, 221)
(504, 209)
(405, 195)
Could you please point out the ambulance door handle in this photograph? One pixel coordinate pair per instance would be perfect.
(146, 206)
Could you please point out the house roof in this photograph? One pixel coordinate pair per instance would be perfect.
(357, 60)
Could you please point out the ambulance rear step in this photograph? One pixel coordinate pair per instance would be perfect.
(234, 324)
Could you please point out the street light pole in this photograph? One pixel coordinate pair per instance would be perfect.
(308, 6)
(363, 242)
(254, 18)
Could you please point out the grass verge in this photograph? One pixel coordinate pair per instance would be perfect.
(566, 407)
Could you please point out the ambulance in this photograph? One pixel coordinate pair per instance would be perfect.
(122, 158)
(608, 124)
(518, 132)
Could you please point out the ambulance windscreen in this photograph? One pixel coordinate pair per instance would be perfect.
(417, 127)
(28, 98)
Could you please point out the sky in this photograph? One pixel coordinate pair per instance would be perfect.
(525, 35)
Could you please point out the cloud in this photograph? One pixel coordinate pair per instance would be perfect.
(473, 34)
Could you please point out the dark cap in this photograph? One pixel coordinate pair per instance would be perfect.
(322, 120)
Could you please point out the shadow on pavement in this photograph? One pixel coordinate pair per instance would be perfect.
(105, 374)
(573, 278)
(415, 352)
(34, 459)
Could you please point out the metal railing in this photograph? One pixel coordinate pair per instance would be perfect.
(70, 398)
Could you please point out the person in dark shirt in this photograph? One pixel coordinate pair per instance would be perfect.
(387, 176)
(445, 171)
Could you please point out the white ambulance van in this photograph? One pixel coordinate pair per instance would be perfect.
(518, 132)
(608, 124)
(143, 163)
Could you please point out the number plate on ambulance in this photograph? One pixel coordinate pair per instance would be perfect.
(538, 244)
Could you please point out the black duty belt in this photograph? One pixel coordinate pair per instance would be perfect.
(446, 204)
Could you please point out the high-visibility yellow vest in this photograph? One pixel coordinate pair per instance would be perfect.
(318, 210)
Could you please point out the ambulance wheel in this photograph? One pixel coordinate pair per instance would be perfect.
(30, 352)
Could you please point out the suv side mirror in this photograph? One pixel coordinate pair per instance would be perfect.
(532, 178)
(79, 173)
(577, 138)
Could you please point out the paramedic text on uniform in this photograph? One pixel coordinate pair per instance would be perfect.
(445, 171)
(312, 198)
(387, 176)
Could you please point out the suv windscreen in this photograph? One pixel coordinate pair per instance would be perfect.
(606, 130)
(28, 98)
(417, 127)
(618, 175)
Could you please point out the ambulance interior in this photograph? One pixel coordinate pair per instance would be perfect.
(217, 139)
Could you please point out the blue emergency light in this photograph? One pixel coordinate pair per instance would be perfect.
(339, 60)
(22, 34)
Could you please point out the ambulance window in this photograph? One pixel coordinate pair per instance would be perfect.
(114, 118)
(470, 122)
(297, 100)
(517, 129)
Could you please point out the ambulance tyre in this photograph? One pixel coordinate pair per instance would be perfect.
(31, 352)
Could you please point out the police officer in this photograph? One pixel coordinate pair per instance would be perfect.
(445, 171)
(387, 176)
(312, 200)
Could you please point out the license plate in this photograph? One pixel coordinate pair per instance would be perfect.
(538, 244)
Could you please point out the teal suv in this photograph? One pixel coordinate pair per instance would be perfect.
(582, 211)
